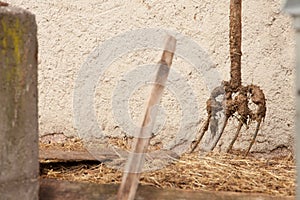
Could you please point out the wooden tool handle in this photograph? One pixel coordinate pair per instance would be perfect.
(136, 159)
(235, 38)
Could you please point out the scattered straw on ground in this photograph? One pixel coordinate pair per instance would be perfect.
(213, 172)
(59, 141)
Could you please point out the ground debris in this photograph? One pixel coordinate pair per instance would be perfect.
(210, 172)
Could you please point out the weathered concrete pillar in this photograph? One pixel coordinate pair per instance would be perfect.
(18, 105)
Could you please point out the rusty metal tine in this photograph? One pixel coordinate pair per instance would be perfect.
(222, 130)
(198, 139)
(235, 137)
(254, 136)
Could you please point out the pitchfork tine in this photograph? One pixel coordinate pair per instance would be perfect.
(235, 137)
(196, 142)
(254, 136)
(222, 130)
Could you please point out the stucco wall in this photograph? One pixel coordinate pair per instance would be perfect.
(68, 31)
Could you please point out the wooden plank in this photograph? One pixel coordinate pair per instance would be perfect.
(62, 155)
(51, 189)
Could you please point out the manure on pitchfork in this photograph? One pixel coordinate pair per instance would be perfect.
(235, 98)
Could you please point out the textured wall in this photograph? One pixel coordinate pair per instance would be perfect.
(69, 30)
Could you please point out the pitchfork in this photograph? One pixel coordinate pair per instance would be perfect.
(236, 97)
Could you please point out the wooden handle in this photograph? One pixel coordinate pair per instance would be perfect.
(235, 38)
(136, 159)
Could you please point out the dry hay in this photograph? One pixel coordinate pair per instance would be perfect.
(212, 172)
(59, 141)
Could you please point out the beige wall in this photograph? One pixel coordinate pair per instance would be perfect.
(68, 31)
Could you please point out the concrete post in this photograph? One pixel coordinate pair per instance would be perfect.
(293, 8)
(19, 168)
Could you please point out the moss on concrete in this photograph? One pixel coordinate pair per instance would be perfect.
(13, 39)
(13, 72)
